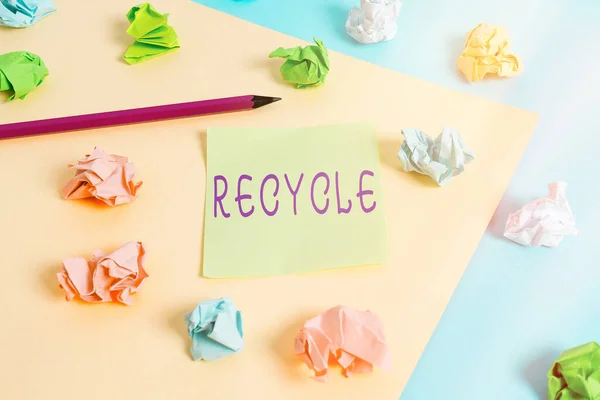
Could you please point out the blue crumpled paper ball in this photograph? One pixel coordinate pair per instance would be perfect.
(441, 159)
(215, 327)
(24, 13)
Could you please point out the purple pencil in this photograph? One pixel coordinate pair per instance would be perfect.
(133, 116)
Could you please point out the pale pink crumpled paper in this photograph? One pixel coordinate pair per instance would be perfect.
(353, 338)
(107, 177)
(105, 278)
(543, 222)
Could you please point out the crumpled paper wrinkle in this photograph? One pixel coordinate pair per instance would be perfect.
(576, 374)
(487, 52)
(215, 327)
(441, 159)
(374, 21)
(306, 66)
(24, 13)
(21, 72)
(105, 277)
(108, 178)
(355, 339)
(153, 35)
(543, 222)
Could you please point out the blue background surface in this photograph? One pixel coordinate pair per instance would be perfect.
(515, 308)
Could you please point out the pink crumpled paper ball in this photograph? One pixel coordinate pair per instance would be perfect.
(543, 222)
(107, 177)
(105, 278)
(354, 339)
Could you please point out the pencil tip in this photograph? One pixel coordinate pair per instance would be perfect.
(260, 101)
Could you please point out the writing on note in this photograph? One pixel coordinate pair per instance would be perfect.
(323, 189)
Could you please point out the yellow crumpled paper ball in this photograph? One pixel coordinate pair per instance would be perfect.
(486, 52)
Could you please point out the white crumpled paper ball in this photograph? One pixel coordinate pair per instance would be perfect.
(374, 21)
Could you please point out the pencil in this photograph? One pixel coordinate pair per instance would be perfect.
(133, 116)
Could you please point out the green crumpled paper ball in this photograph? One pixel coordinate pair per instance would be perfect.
(152, 33)
(576, 374)
(21, 72)
(304, 66)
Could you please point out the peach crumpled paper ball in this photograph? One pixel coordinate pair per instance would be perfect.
(107, 177)
(105, 278)
(353, 338)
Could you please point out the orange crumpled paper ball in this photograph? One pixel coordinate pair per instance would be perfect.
(105, 278)
(107, 177)
(354, 339)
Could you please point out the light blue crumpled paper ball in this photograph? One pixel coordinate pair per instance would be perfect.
(24, 13)
(215, 327)
(441, 159)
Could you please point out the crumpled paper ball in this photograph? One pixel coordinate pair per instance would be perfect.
(543, 222)
(24, 13)
(576, 374)
(354, 339)
(108, 178)
(105, 277)
(152, 33)
(441, 159)
(306, 66)
(374, 21)
(487, 52)
(21, 72)
(215, 327)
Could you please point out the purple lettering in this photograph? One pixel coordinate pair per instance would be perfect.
(312, 192)
(270, 213)
(219, 197)
(361, 193)
(294, 192)
(241, 197)
(337, 196)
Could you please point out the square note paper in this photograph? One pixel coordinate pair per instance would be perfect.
(286, 201)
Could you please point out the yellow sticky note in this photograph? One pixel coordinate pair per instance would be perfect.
(285, 201)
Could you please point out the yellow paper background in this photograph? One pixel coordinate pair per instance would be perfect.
(51, 349)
